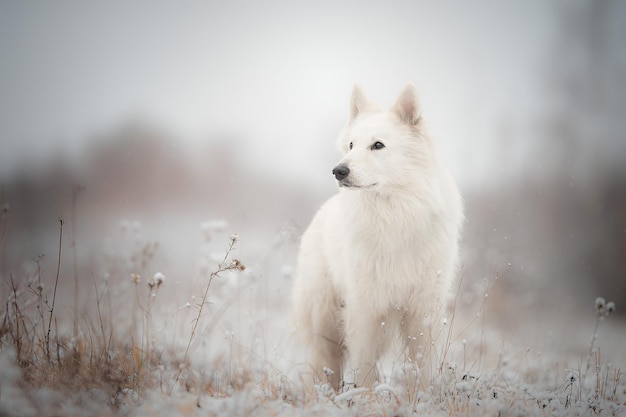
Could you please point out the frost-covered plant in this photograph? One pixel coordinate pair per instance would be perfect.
(570, 386)
(224, 265)
(154, 283)
(143, 352)
(54, 294)
(603, 310)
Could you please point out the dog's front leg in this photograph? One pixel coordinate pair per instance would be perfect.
(364, 340)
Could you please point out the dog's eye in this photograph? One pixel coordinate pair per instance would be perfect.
(378, 145)
(350, 145)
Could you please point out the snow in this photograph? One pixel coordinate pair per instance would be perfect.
(244, 358)
(495, 392)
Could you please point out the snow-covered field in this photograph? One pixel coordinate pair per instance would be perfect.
(225, 124)
(168, 327)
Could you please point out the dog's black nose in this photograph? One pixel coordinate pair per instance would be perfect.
(340, 172)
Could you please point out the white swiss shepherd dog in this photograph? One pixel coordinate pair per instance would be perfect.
(379, 258)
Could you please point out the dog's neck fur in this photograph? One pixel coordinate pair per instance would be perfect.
(418, 213)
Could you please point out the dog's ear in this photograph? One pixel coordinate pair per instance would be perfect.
(407, 106)
(358, 102)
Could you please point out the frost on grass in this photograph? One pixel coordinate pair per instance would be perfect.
(222, 346)
(241, 380)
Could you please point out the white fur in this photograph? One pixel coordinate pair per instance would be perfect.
(379, 257)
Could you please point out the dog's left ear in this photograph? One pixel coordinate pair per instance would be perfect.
(407, 106)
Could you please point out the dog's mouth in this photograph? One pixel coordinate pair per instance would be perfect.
(348, 184)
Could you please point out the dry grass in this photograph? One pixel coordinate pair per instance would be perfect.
(47, 353)
(110, 347)
(135, 353)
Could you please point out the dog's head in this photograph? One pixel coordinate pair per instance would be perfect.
(383, 149)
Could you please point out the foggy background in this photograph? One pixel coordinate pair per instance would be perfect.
(174, 114)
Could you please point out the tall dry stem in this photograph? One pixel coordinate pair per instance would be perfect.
(16, 310)
(222, 266)
(54, 294)
(603, 310)
(76, 190)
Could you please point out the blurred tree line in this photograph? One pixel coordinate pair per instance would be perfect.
(554, 222)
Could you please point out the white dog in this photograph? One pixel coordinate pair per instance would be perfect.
(379, 257)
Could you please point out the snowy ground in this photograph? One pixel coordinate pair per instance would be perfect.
(158, 354)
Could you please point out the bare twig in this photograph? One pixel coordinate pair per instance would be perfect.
(54, 294)
(76, 190)
(100, 319)
(603, 310)
(222, 266)
(18, 342)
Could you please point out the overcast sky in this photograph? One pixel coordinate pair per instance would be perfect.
(276, 74)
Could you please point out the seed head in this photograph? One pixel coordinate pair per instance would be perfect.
(603, 308)
(159, 278)
(135, 278)
(237, 265)
(610, 307)
(156, 280)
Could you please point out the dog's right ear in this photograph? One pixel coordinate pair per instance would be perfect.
(358, 102)
(407, 106)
